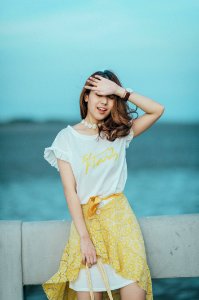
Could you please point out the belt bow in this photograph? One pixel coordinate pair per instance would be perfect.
(94, 201)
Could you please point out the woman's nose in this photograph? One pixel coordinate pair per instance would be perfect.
(104, 100)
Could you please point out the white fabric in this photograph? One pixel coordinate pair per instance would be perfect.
(99, 166)
(115, 280)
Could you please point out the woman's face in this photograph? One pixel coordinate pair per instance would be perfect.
(99, 107)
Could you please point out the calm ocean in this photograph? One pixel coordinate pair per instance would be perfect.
(163, 179)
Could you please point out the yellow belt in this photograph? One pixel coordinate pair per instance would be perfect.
(95, 200)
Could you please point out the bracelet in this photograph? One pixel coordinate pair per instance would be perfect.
(126, 96)
(128, 91)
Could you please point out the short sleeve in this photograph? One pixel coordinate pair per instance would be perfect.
(58, 149)
(129, 138)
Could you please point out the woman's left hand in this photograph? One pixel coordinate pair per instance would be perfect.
(101, 86)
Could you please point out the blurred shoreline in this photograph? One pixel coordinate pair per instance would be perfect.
(54, 121)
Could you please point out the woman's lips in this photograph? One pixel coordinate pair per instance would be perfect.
(101, 110)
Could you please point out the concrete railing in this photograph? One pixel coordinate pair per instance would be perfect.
(30, 252)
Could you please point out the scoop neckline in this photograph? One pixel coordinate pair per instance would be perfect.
(86, 136)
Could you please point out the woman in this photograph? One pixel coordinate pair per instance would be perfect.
(104, 257)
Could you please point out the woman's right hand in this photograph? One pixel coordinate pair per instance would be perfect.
(88, 251)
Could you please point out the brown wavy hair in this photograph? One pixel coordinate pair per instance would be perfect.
(118, 122)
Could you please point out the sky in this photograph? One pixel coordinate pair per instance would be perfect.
(49, 48)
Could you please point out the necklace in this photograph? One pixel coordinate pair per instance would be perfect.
(90, 125)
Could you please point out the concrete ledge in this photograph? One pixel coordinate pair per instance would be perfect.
(11, 286)
(172, 245)
(34, 249)
(42, 247)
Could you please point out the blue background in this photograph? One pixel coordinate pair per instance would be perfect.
(48, 49)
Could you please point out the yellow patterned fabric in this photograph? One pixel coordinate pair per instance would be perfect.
(118, 241)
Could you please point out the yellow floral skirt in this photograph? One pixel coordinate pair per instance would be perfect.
(118, 241)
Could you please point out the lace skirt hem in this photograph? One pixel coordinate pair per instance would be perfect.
(117, 237)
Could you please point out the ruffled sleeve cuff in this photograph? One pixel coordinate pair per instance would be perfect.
(129, 138)
(58, 150)
(52, 153)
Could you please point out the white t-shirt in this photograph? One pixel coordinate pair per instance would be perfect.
(99, 166)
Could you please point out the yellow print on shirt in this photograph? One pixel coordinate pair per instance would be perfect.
(94, 160)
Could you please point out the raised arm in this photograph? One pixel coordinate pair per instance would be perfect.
(153, 110)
